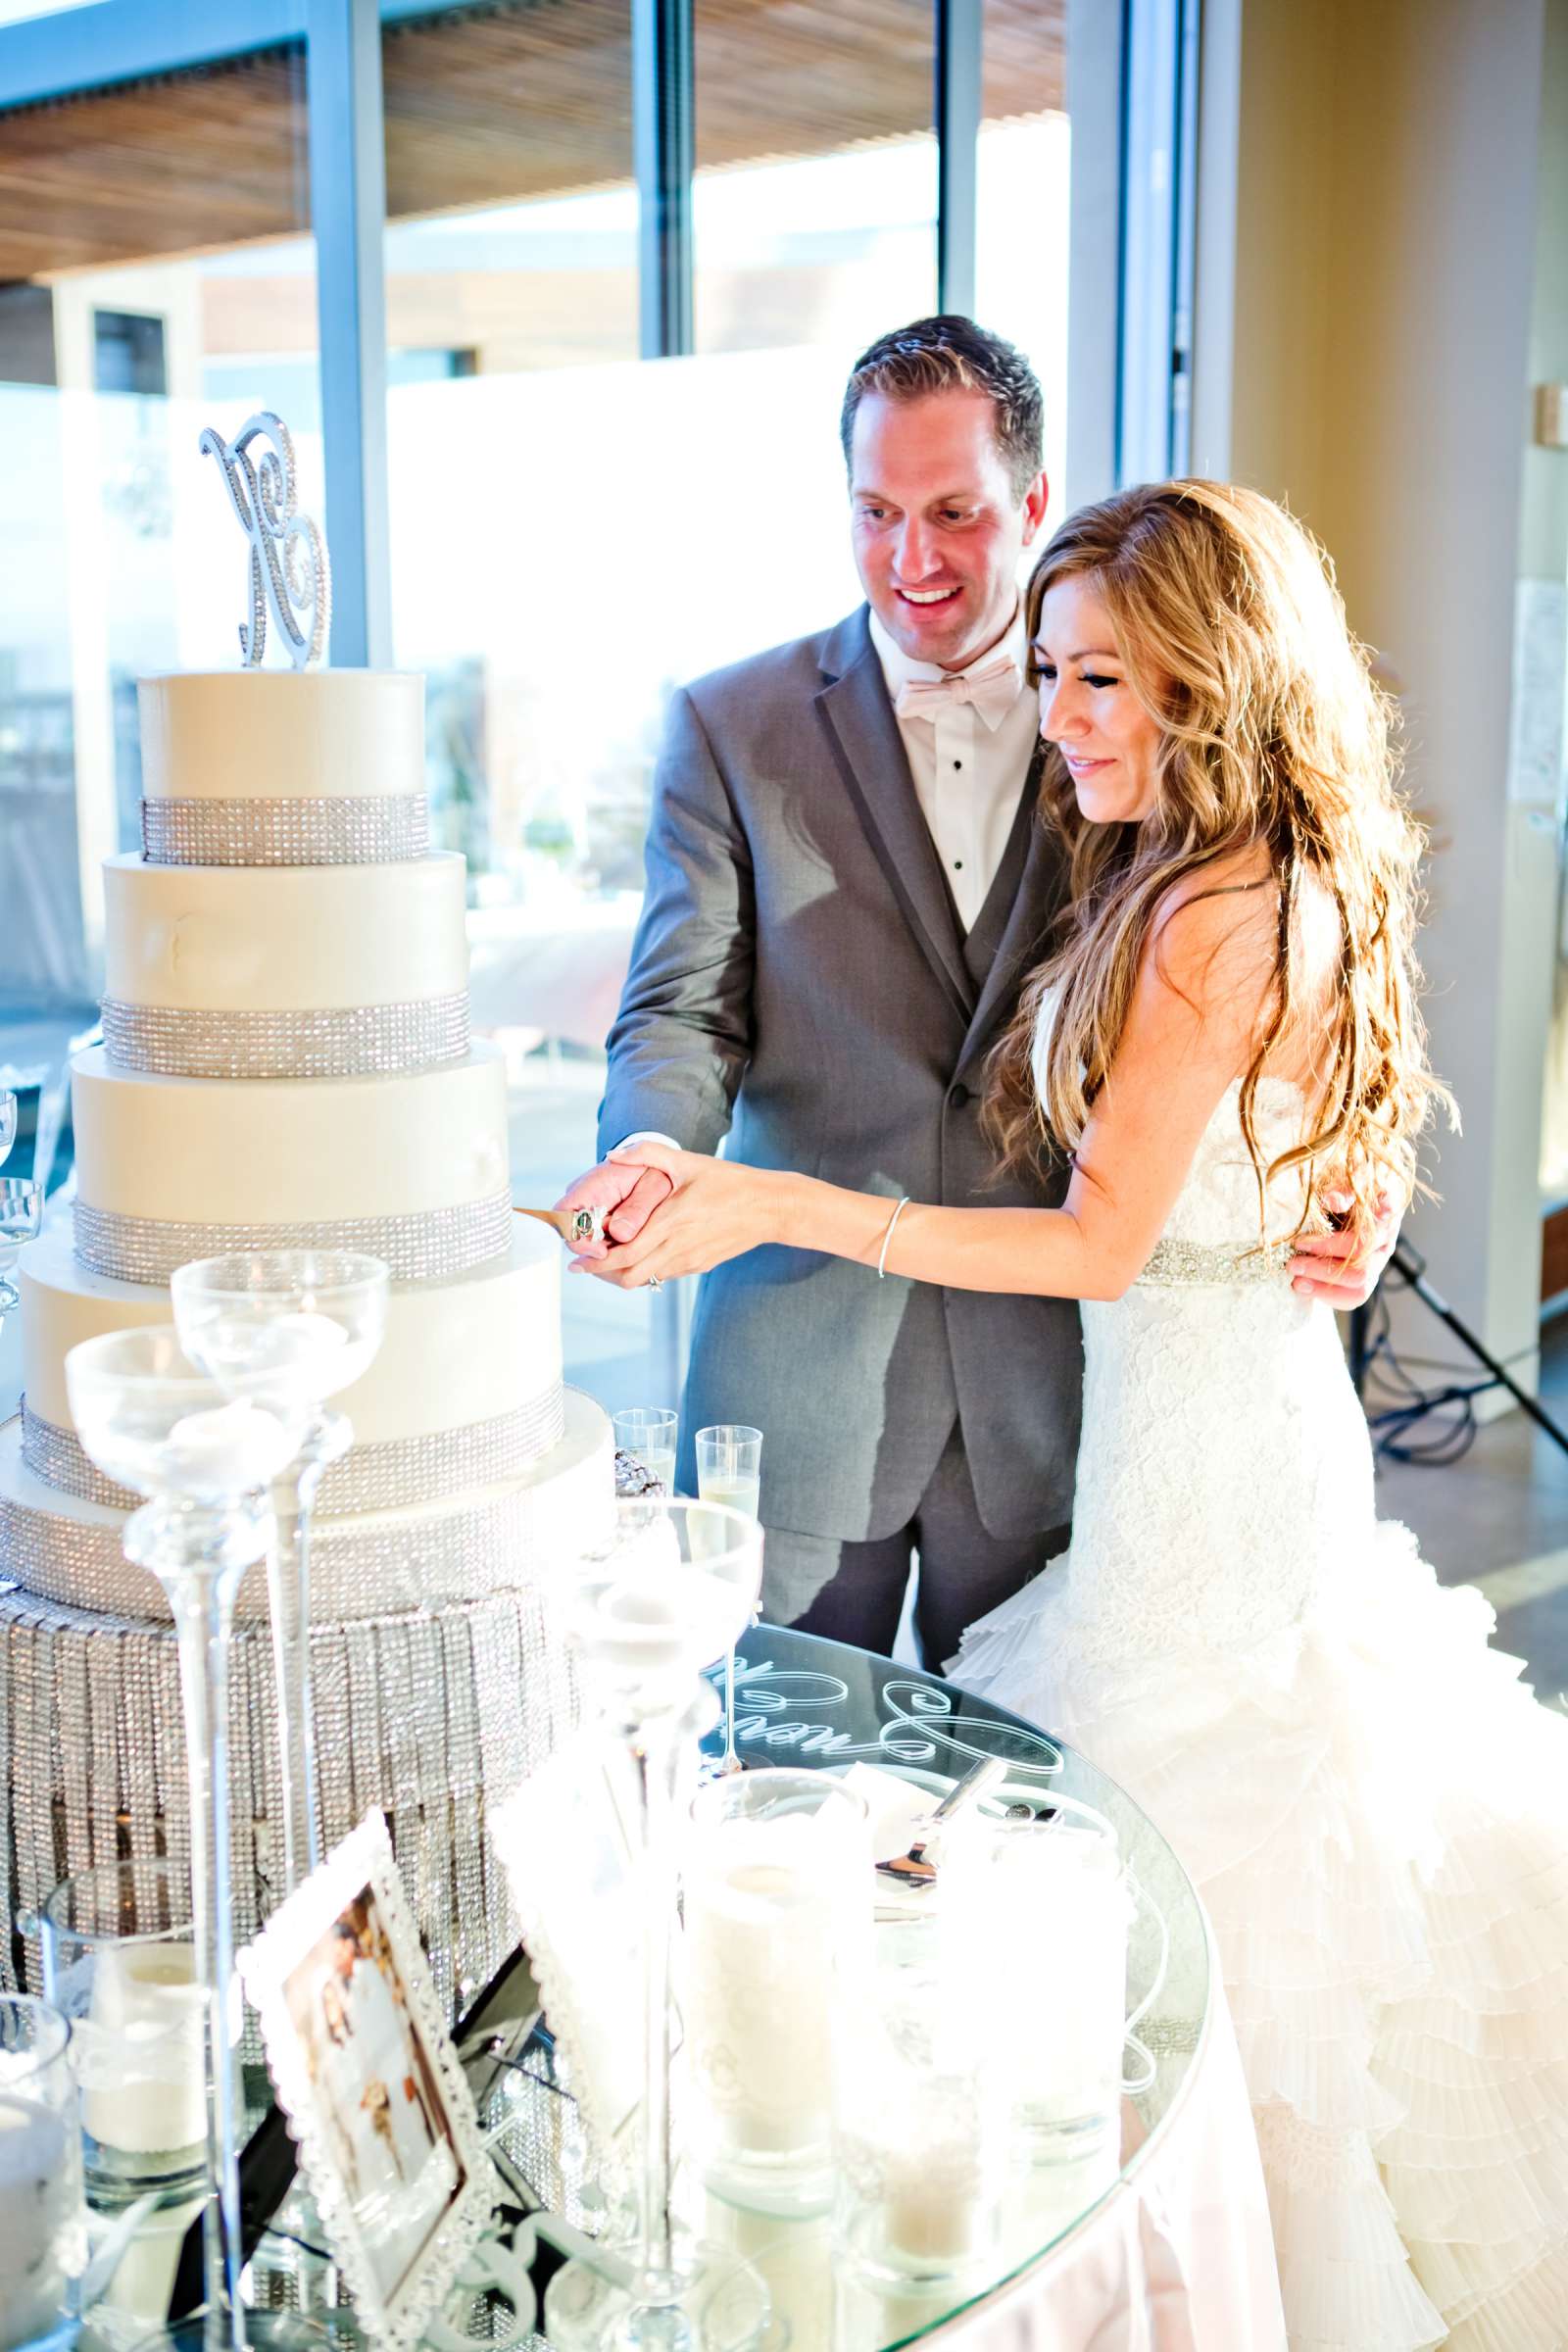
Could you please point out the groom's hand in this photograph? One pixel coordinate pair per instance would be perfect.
(629, 1195)
(1346, 1267)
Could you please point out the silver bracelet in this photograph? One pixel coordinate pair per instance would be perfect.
(882, 1254)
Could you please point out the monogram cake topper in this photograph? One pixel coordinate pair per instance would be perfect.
(289, 572)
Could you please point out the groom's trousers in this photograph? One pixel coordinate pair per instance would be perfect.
(855, 1591)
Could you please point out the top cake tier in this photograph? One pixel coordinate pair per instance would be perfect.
(278, 768)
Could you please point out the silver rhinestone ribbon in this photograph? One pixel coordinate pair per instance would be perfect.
(329, 829)
(339, 1042)
(425, 1245)
(391, 1475)
(433, 1716)
(361, 1566)
(1179, 1264)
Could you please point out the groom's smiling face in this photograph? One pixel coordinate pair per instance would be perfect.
(938, 524)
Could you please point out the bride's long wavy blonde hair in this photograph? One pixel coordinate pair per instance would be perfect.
(1273, 732)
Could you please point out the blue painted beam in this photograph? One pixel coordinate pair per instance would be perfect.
(121, 40)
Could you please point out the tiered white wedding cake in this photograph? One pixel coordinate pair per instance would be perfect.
(286, 1062)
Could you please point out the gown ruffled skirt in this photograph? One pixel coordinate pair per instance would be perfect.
(1373, 1807)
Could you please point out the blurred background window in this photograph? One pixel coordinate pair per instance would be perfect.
(572, 527)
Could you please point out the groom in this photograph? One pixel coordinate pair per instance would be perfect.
(846, 888)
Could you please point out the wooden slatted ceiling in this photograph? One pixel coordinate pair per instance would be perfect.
(493, 104)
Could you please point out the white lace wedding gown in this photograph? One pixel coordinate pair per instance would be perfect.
(1373, 1808)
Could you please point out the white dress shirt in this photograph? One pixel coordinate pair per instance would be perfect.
(968, 776)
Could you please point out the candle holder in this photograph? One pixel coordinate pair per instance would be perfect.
(1048, 1903)
(646, 1616)
(205, 1459)
(292, 1327)
(778, 1896)
(921, 2108)
(43, 2238)
(120, 1962)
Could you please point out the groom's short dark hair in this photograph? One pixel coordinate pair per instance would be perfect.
(950, 354)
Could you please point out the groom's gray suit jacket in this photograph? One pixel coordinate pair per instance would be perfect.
(801, 981)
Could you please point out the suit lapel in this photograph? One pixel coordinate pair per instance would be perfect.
(1021, 902)
(868, 749)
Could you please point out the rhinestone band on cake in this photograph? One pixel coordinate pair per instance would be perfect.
(353, 1041)
(1173, 1265)
(348, 829)
(387, 1477)
(424, 1245)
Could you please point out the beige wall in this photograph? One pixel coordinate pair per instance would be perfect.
(1365, 323)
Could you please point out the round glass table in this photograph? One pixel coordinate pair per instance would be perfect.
(804, 1701)
(807, 1702)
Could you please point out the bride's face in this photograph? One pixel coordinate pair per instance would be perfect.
(1088, 709)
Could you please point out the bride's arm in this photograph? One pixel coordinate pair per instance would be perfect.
(1190, 1032)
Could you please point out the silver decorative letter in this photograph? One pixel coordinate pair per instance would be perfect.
(289, 571)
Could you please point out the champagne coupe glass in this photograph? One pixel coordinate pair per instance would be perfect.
(20, 1215)
(666, 1598)
(292, 1327)
(206, 1459)
(730, 1469)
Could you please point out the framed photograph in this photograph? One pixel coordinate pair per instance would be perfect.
(371, 2085)
(563, 1842)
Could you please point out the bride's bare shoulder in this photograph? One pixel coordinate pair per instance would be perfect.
(1215, 932)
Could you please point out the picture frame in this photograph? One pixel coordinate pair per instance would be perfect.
(369, 2082)
(563, 1842)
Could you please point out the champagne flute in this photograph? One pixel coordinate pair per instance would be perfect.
(729, 1470)
(648, 1433)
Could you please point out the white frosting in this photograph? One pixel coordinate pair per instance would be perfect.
(564, 1503)
(289, 1151)
(272, 734)
(453, 1354)
(283, 938)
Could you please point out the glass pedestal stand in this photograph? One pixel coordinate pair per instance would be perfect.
(288, 1593)
(661, 2291)
(646, 1625)
(199, 1555)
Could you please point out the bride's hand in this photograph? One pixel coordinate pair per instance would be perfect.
(715, 1210)
(1346, 1267)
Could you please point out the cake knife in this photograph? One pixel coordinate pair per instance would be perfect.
(575, 1225)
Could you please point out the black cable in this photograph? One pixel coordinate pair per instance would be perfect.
(1405, 1404)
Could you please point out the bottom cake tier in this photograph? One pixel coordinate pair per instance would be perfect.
(431, 1702)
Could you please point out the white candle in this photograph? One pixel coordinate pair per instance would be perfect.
(40, 2216)
(1054, 1908)
(762, 1918)
(143, 2065)
(942, 2200)
(228, 1450)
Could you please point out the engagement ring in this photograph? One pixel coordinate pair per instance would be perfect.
(656, 1282)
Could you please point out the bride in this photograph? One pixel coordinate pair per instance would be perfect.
(1375, 1811)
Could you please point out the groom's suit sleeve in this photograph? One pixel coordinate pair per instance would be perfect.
(681, 1039)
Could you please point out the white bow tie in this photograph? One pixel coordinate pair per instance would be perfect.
(991, 689)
